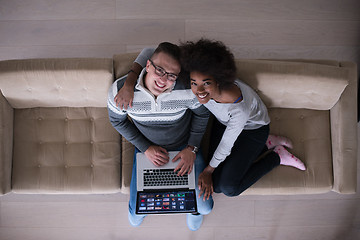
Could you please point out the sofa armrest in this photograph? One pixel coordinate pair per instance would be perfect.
(6, 144)
(343, 120)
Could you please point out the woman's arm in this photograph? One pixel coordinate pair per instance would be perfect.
(125, 96)
(205, 183)
(235, 125)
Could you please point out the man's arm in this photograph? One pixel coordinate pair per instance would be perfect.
(156, 154)
(119, 120)
(198, 126)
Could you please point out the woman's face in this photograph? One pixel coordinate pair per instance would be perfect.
(204, 87)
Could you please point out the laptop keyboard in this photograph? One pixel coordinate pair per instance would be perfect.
(163, 177)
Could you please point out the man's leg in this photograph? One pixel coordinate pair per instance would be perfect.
(134, 219)
(204, 207)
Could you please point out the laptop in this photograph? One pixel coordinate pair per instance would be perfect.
(161, 191)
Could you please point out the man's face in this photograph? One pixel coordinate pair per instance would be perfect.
(158, 84)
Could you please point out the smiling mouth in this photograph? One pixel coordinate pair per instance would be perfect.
(202, 96)
(159, 85)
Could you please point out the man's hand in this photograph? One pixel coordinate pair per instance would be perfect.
(205, 183)
(124, 97)
(186, 163)
(157, 155)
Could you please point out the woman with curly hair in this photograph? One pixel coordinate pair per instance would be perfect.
(240, 133)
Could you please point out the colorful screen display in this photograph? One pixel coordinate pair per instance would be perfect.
(166, 202)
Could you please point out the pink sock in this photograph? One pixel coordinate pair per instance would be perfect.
(288, 159)
(274, 141)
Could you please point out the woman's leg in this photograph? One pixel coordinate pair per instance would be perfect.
(256, 171)
(238, 171)
(274, 141)
(288, 159)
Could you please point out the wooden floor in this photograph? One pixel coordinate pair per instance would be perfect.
(315, 29)
(253, 29)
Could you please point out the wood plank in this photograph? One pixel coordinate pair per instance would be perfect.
(101, 214)
(89, 32)
(339, 53)
(335, 232)
(230, 213)
(74, 198)
(241, 10)
(53, 9)
(56, 51)
(276, 32)
(160, 233)
(62, 214)
(307, 213)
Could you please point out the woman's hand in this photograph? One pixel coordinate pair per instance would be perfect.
(124, 97)
(205, 183)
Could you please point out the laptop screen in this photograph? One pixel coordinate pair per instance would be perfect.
(170, 201)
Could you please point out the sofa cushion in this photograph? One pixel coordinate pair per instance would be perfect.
(68, 82)
(65, 150)
(284, 84)
(310, 132)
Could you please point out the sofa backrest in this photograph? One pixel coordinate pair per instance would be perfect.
(66, 82)
(289, 84)
(84, 82)
(123, 63)
(309, 84)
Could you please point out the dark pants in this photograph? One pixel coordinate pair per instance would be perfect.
(239, 170)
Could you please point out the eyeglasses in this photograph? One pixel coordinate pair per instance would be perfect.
(161, 72)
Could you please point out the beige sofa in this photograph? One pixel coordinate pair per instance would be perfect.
(55, 136)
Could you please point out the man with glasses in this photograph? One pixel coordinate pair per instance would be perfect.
(165, 116)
